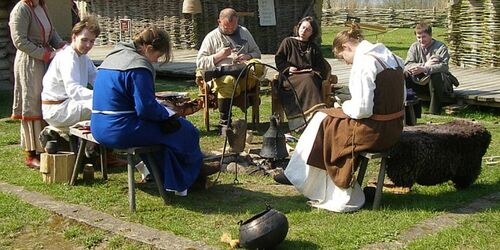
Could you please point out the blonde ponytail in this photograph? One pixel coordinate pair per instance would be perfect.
(353, 35)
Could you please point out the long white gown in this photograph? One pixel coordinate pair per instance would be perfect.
(314, 183)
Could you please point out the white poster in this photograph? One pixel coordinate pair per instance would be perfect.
(267, 15)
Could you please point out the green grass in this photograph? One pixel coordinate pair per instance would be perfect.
(479, 231)
(16, 215)
(397, 40)
(23, 226)
(206, 215)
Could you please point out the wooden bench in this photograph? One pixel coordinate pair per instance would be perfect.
(365, 157)
(85, 136)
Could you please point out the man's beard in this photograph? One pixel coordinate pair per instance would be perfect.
(227, 33)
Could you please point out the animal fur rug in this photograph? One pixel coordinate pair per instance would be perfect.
(433, 154)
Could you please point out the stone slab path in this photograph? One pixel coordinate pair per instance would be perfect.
(165, 240)
(435, 224)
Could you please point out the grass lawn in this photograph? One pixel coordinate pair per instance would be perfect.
(397, 40)
(23, 226)
(206, 215)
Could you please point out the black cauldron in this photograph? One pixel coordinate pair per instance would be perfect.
(264, 230)
(51, 147)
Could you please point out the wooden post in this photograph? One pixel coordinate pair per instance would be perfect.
(57, 168)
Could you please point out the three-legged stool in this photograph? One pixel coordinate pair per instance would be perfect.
(365, 157)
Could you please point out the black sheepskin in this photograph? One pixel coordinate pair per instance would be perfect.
(433, 154)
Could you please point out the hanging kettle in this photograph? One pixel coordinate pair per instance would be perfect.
(273, 141)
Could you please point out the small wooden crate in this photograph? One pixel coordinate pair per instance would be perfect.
(57, 168)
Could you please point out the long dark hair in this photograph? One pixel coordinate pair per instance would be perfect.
(314, 26)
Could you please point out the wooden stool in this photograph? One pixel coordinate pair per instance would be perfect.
(205, 91)
(85, 135)
(365, 157)
(410, 118)
(148, 151)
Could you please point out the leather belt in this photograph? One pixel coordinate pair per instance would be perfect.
(387, 117)
(46, 102)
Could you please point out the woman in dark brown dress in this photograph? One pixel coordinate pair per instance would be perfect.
(300, 59)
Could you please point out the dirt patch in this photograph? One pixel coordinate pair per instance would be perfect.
(49, 236)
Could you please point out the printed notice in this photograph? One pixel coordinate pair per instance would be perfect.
(267, 15)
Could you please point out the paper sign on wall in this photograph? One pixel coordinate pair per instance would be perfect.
(267, 14)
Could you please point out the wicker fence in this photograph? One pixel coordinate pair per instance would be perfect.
(288, 13)
(395, 18)
(165, 14)
(187, 30)
(475, 33)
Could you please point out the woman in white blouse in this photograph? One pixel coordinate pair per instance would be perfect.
(323, 164)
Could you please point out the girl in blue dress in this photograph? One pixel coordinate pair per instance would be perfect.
(126, 114)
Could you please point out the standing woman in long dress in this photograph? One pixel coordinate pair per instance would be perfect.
(300, 59)
(35, 38)
(325, 158)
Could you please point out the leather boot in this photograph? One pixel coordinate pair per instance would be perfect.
(113, 161)
(209, 168)
(32, 160)
(224, 121)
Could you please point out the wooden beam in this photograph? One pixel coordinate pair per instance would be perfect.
(366, 26)
(246, 14)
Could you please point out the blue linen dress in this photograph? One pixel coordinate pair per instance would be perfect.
(126, 114)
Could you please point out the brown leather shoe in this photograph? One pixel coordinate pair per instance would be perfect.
(282, 179)
(113, 161)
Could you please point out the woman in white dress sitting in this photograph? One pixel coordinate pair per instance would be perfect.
(325, 159)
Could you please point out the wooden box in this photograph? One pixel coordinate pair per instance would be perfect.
(57, 168)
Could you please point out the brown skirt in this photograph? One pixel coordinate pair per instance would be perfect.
(300, 97)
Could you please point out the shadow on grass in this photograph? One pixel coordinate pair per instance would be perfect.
(297, 244)
(230, 199)
(445, 201)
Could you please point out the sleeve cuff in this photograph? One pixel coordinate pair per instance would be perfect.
(170, 111)
(46, 55)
